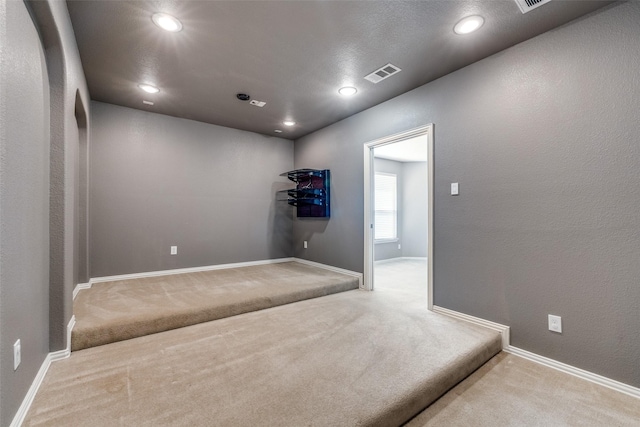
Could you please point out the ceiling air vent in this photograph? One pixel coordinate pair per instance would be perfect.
(382, 73)
(528, 5)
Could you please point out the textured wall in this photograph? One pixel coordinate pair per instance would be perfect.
(158, 181)
(414, 213)
(543, 140)
(387, 250)
(81, 231)
(24, 204)
(66, 81)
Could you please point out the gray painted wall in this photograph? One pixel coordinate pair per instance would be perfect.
(414, 209)
(66, 82)
(158, 181)
(24, 205)
(387, 250)
(337, 240)
(81, 255)
(543, 140)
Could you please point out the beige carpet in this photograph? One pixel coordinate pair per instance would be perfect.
(120, 310)
(405, 275)
(511, 391)
(350, 359)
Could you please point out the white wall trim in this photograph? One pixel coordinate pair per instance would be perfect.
(387, 260)
(400, 258)
(576, 372)
(79, 287)
(70, 325)
(18, 419)
(31, 393)
(551, 363)
(103, 279)
(332, 268)
(502, 329)
(82, 286)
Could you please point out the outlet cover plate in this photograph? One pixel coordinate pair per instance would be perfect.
(555, 323)
(16, 355)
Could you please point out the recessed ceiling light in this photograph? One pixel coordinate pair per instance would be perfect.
(277, 130)
(468, 25)
(288, 123)
(347, 91)
(167, 22)
(149, 88)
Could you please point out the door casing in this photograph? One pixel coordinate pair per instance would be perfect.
(427, 130)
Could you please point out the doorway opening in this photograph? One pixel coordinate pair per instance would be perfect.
(398, 210)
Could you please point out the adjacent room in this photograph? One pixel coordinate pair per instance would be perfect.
(323, 213)
(401, 215)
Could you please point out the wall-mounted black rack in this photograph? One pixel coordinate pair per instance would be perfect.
(311, 196)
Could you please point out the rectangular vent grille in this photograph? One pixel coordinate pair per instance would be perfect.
(382, 73)
(528, 5)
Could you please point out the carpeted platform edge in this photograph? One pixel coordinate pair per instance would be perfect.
(435, 387)
(128, 328)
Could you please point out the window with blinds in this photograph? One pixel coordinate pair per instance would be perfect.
(386, 206)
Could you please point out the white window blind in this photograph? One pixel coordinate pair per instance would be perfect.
(386, 206)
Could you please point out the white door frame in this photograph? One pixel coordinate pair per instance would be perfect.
(369, 208)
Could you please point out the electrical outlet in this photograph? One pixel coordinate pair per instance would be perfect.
(16, 355)
(174, 250)
(305, 244)
(399, 246)
(455, 189)
(555, 323)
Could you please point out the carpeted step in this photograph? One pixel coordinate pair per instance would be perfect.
(125, 309)
(349, 359)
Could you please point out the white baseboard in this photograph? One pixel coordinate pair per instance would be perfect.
(103, 279)
(70, 325)
(334, 269)
(502, 329)
(551, 363)
(31, 393)
(386, 260)
(79, 287)
(576, 372)
(95, 280)
(18, 419)
(400, 258)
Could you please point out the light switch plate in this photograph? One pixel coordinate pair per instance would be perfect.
(454, 189)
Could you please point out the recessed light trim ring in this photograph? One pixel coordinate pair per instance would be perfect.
(148, 88)
(347, 91)
(167, 22)
(468, 24)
